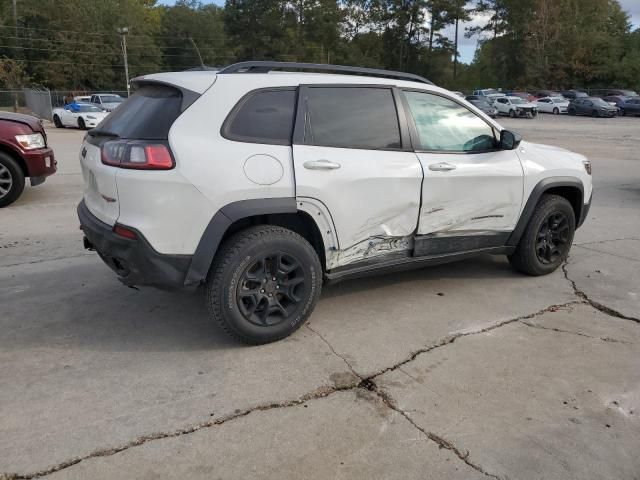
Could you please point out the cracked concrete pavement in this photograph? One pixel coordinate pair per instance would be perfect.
(467, 370)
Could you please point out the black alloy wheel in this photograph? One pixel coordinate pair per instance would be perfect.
(554, 238)
(271, 289)
(81, 124)
(57, 122)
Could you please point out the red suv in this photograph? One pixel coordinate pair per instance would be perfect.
(23, 153)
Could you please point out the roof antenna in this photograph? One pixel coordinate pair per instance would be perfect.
(197, 51)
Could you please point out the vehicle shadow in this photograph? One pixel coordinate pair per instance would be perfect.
(81, 305)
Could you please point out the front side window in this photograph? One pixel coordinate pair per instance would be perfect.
(446, 126)
(263, 117)
(351, 117)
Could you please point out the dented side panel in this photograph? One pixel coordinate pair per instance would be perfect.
(373, 197)
(483, 192)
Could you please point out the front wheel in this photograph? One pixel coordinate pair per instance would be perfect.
(11, 180)
(512, 114)
(81, 124)
(556, 111)
(547, 239)
(571, 111)
(57, 122)
(264, 284)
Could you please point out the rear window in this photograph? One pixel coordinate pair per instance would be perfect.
(264, 116)
(147, 115)
(352, 117)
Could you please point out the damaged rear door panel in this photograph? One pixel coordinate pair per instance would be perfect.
(349, 153)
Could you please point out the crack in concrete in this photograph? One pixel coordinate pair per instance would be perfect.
(598, 306)
(623, 257)
(554, 329)
(334, 351)
(607, 241)
(321, 392)
(440, 441)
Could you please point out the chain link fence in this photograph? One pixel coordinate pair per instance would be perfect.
(39, 102)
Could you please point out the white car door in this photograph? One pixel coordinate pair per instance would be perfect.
(545, 105)
(351, 154)
(502, 104)
(472, 191)
(67, 117)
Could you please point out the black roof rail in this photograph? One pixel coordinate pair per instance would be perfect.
(266, 66)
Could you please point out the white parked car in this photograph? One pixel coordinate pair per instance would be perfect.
(490, 93)
(82, 98)
(107, 101)
(259, 187)
(555, 105)
(79, 115)
(516, 107)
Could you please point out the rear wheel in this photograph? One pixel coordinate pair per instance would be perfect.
(11, 180)
(57, 122)
(571, 111)
(264, 284)
(595, 114)
(81, 124)
(546, 241)
(556, 111)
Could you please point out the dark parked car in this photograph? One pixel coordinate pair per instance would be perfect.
(624, 93)
(631, 106)
(483, 104)
(594, 106)
(545, 93)
(23, 153)
(573, 94)
(616, 99)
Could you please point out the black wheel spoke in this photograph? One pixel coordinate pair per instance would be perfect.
(552, 239)
(271, 289)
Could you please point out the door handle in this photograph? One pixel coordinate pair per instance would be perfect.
(321, 165)
(442, 167)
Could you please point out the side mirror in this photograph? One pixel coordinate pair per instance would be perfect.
(509, 140)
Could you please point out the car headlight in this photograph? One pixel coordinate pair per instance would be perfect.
(91, 117)
(31, 141)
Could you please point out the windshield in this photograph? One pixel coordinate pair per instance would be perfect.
(111, 98)
(516, 100)
(88, 108)
(599, 102)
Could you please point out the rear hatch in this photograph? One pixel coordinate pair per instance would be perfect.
(146, 116)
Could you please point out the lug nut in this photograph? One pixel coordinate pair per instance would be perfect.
(262, 290)
(274, 279)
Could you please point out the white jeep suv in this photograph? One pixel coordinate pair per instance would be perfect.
(260, 184)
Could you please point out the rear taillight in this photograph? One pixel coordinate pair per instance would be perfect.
(137, 155)
(124, 232)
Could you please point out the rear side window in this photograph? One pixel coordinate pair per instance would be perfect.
(264, 116)
(147, 115)
(351, 117)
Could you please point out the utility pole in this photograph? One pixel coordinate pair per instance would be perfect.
(15, 17)
(123, 31)
(455, 53)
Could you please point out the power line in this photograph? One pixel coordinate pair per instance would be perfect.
(76, 32)
(84, 52)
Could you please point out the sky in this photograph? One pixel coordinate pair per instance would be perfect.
(467, 46)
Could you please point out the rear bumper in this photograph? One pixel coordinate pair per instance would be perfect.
(40, 164)
(134, 261)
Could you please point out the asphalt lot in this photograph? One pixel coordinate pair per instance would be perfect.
(463, 371)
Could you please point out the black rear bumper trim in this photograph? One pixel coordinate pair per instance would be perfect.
(135, 262)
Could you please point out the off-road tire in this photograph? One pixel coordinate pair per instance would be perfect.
(81, 124)
(230, 269)
(10, 171)
(57, 122)
(525, 259)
